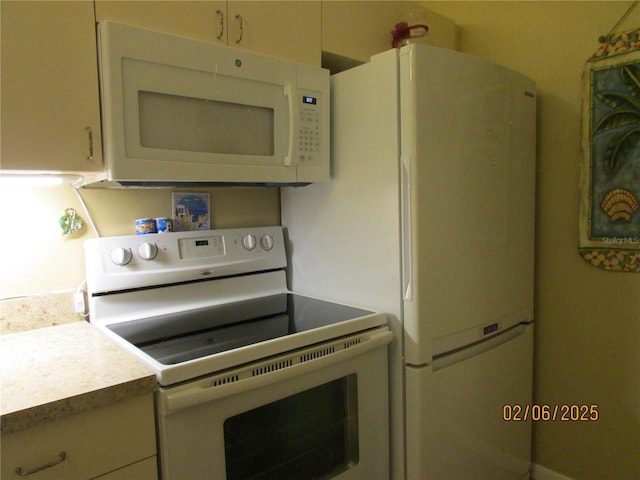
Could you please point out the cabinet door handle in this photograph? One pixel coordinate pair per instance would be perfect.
(239, 18)
(220, 14)
(90, 135)
(62, 456)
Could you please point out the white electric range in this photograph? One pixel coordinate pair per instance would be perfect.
(210, 313)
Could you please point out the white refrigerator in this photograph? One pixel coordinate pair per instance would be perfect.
(429, 215)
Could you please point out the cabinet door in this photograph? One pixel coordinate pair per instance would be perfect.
(49, 86)
(195, 19)
(284, 29)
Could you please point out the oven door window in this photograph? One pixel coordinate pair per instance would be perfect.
(310, 435)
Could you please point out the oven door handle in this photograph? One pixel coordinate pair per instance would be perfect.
(199, 393)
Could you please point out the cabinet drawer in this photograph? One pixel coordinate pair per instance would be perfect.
(94, 442)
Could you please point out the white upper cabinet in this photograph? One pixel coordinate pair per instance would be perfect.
(194, 19)
(50, 106)
(286, 29)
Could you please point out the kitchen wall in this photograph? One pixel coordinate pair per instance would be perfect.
(35, 257)
(587, 320)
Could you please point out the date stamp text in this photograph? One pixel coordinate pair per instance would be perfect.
(550, 413)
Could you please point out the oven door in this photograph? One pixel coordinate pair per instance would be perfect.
(316, 413)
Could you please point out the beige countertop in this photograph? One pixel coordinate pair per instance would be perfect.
(49, 373)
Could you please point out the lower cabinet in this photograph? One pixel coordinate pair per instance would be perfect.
(115, 442)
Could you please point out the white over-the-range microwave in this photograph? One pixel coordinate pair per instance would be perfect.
(177, 111)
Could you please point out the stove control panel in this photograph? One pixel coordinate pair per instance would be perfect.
(135, 261)
(201, 247)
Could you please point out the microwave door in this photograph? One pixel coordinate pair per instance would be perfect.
(177, 110)
(241, 127)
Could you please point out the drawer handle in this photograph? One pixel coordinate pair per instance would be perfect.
(62, 456)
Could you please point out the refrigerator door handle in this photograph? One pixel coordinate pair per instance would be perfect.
(446, 360)
(406, 225)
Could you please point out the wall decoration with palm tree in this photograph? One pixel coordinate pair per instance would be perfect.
(610, 183)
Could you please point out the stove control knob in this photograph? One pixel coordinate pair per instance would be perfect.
(266, 242)
(120, 256)
(249, 242)
(147, 251)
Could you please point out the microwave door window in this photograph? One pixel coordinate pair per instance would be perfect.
(174, 122)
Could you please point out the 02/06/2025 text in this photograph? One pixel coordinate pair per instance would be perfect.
(550, 413)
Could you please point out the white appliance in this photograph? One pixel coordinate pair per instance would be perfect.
(430, 216)
(180, 111)
(255, 381)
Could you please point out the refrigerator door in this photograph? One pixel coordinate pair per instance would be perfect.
(468, 184)
(455, 425)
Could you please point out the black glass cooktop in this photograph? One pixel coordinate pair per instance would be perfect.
(182, 336)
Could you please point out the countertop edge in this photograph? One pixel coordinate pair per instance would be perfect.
(50, 373)
(49, 412)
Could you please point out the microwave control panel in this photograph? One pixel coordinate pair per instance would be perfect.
(310, 129)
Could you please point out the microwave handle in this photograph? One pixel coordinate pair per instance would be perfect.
(291, 92)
